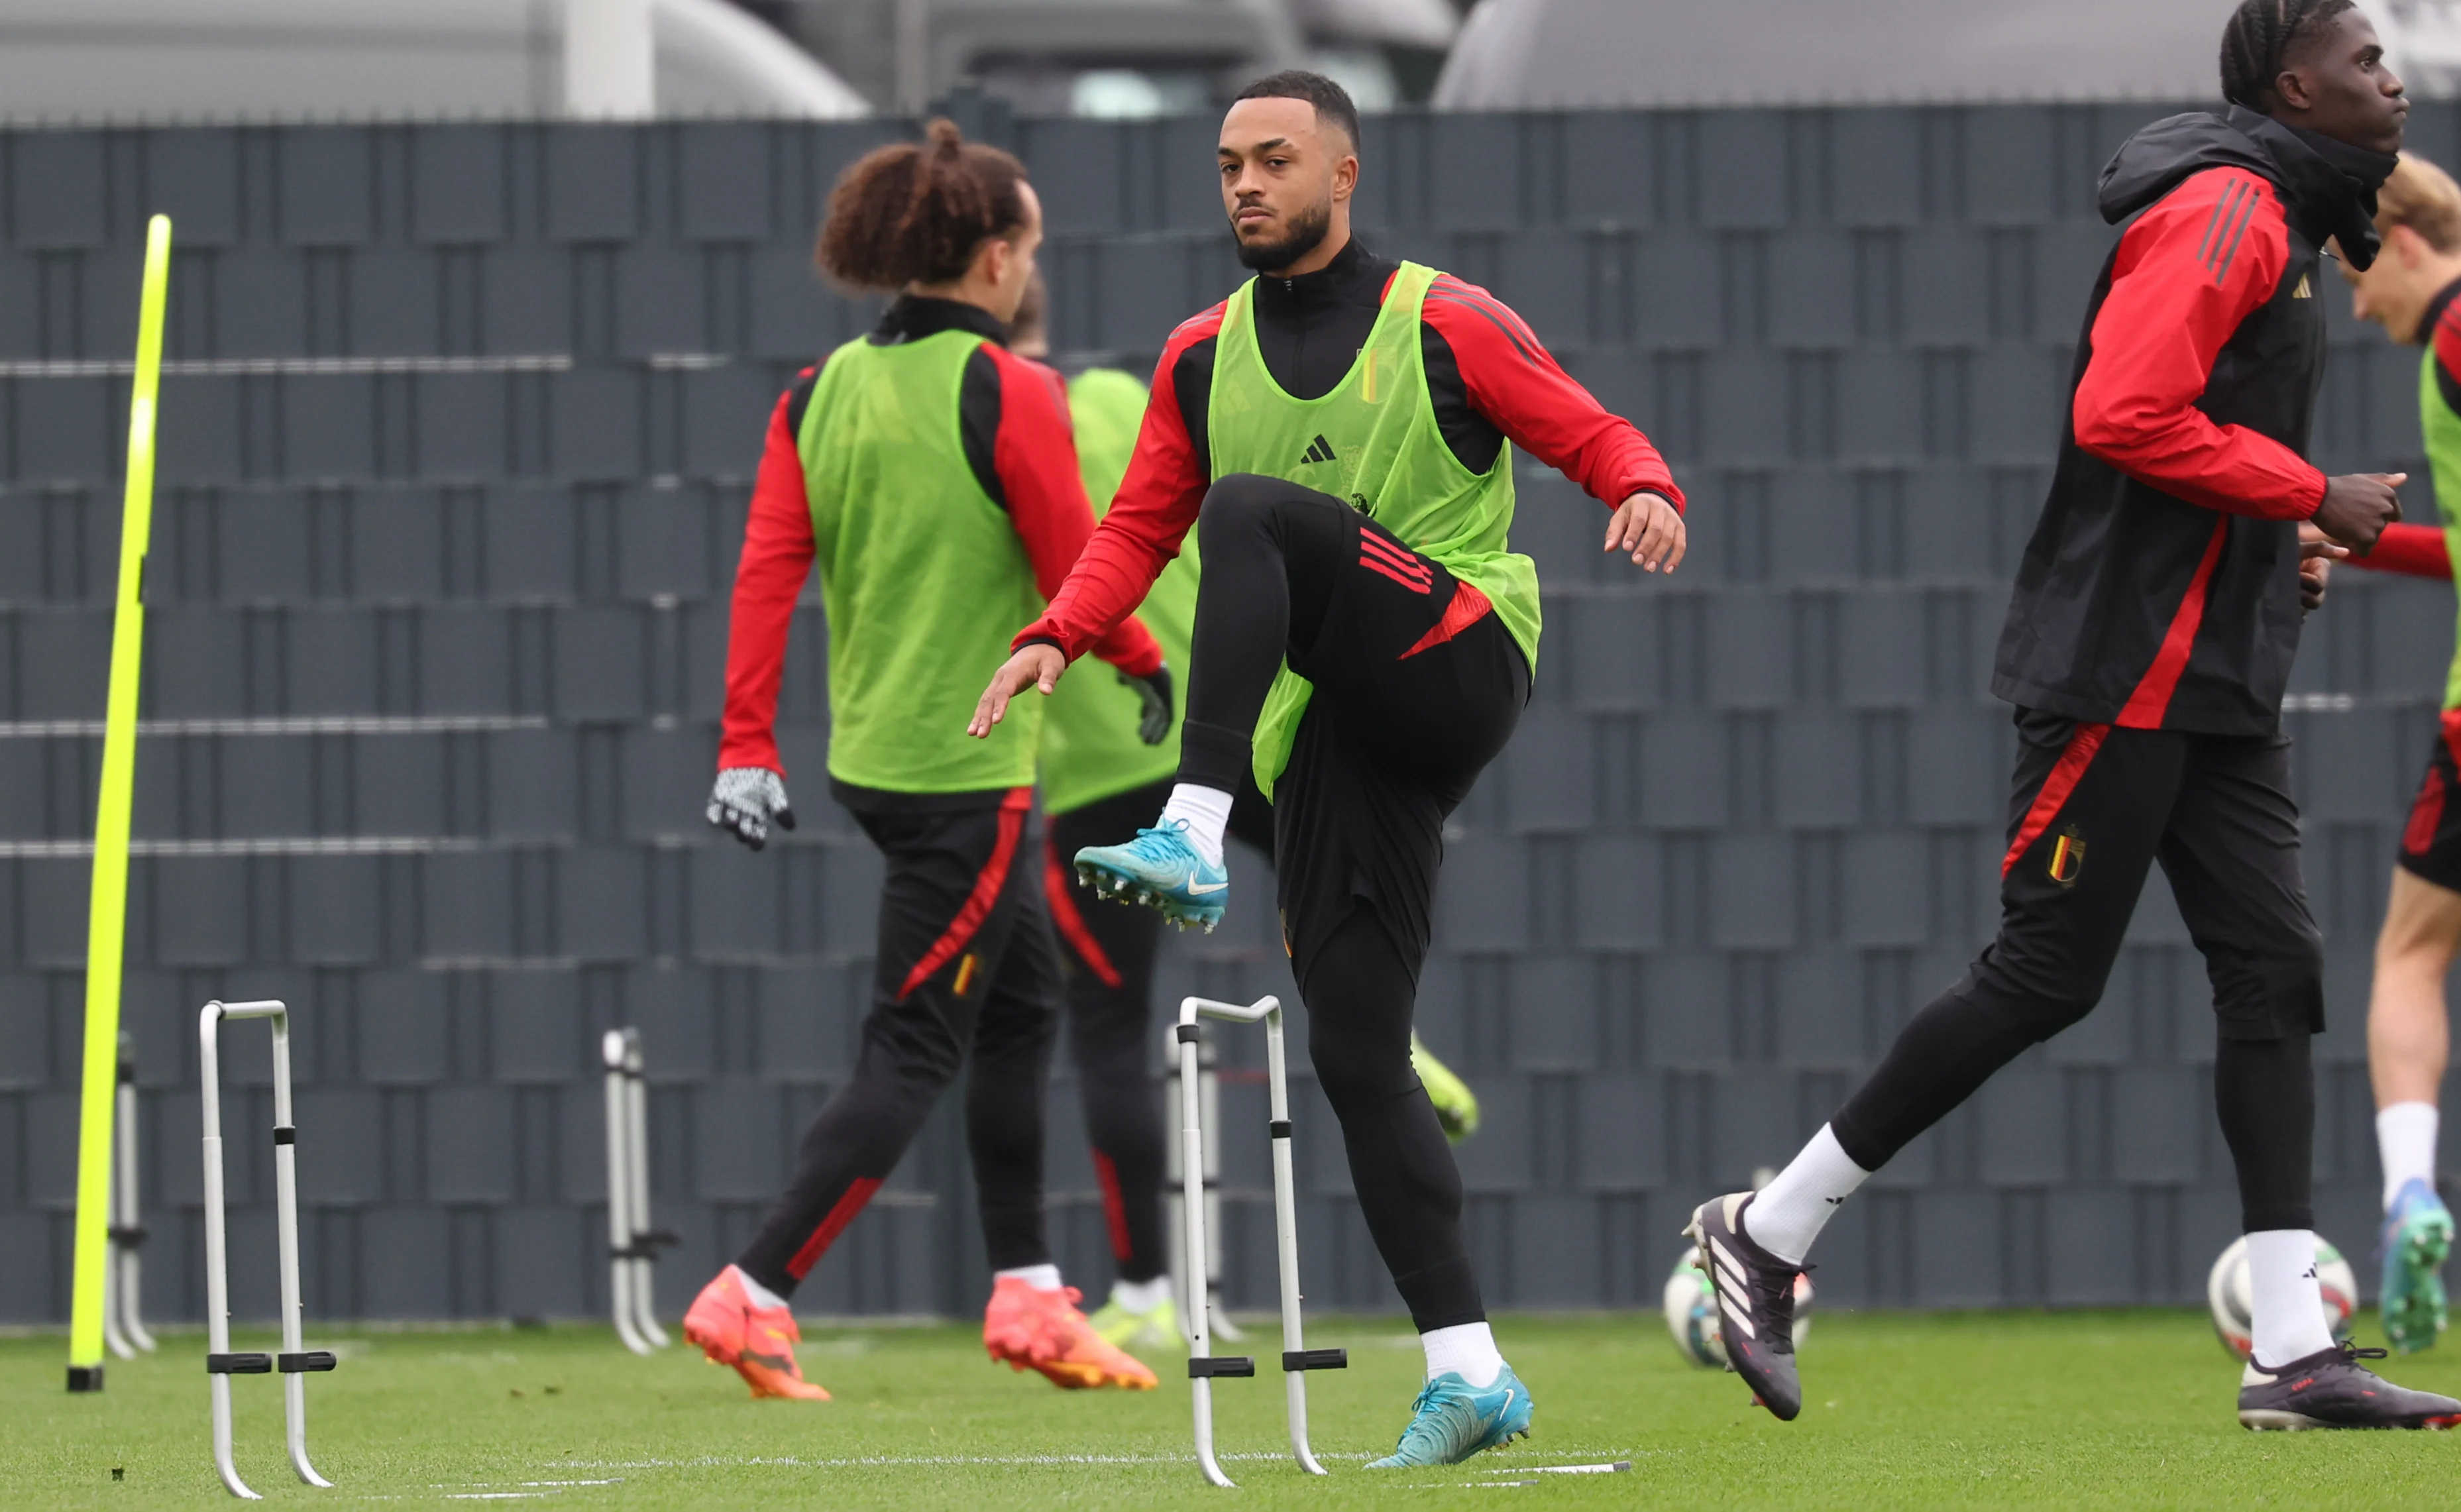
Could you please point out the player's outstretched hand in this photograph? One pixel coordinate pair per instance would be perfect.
(1649, 527)
(747, 800)
(1035, 665)
(1153, 697)
(2316, 554)
(2356, 507)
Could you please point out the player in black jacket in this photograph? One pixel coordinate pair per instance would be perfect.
(2147, 645)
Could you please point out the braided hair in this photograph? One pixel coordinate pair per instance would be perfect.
(915, 212)
(2258, 41)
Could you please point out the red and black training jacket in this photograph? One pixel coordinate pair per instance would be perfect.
(2160, 590)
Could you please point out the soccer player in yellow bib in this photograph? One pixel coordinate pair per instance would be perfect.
(928, 474)
(1097, 781)
(2413, 292)
(1340, 433)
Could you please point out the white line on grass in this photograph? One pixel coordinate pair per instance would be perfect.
(921, 1461)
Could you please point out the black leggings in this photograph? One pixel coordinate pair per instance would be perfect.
(1418, 687)
(1108, 954)
(953, 989)
(2094, 809)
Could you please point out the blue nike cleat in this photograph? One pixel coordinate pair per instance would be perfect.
(1161, 869)
(2417, 1236)
(1453, 1420)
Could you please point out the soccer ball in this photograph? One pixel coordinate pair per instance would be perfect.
(2226, 1293)
(1693, 1320)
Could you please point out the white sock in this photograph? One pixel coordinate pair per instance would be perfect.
(1041, 1278)
(2282, 1294)
(1206, 811)
(1141, 1296)
(761, 1296)
(1468, 1347)
(1789, 1212)
(2406, 1142)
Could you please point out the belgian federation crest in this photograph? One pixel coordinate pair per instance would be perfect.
(2067, 856)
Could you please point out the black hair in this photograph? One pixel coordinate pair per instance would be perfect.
(1332, 102)
(2258, 39)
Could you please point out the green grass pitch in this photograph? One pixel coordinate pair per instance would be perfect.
(2036, 1408)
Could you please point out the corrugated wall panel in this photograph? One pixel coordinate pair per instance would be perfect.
(476, 517)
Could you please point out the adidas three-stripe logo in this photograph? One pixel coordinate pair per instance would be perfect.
(1318, 450)
(1378, 555)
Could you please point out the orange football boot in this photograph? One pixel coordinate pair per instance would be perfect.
(1043, 1330)
(759, 1342)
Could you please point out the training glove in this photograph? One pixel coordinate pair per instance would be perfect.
(746, 799)
(1153, 692)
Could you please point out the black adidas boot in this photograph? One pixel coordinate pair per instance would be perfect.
(2329, 1389)
(1756, 1300)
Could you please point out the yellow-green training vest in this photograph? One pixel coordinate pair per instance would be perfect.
(2442, 429)
(1090, 750)
(922, 574)
(1387, 457)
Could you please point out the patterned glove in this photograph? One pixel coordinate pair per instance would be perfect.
(1153, 720)
(745, 799)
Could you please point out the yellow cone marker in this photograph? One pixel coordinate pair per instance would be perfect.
(107, 915)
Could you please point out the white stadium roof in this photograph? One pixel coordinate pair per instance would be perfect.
(1517, 54)
(166, 60)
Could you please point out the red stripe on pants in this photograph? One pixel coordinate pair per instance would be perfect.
(1071, 923)
(978, 903)
(2065, 776)
(1414, 585)
(2426, 815)
(1115, 1207)
(1469, 607)
(840, 1215)
(2152, 699)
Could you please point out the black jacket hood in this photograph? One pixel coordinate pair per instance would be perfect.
(2329, 186)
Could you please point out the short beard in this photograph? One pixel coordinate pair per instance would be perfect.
(1308, 231)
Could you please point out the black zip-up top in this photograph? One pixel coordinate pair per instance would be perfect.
(2160, 590)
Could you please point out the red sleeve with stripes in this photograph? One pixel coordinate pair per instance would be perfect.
(1034, 454)
(2416, 551)
(2187, 272)
(1517, 384)
(1150, 515)
(768, 578)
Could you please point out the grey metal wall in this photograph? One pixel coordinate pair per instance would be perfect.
(453, 477)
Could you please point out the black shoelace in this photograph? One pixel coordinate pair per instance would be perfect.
(1773, 1298)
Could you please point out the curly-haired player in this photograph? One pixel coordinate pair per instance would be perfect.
(931, 476)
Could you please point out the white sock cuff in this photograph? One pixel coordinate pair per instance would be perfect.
(1466, 1348)
(1206, 811)
(1141, 1296)
(2406, 1144)
(1788, 1214)
(761, 1296)
(2287, 1306)
(1041, 1278)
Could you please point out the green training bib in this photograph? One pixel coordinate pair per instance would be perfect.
(2443, 432)
(1374, 441)
(1090, 750)
(922, 575)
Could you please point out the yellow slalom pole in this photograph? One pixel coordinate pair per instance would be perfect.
(107, 915)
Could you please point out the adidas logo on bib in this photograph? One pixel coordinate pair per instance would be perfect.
(1320, 449)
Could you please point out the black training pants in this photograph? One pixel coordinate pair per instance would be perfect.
(1418, 687)
(2093, 808)
(1108, 954)
(965, 974)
